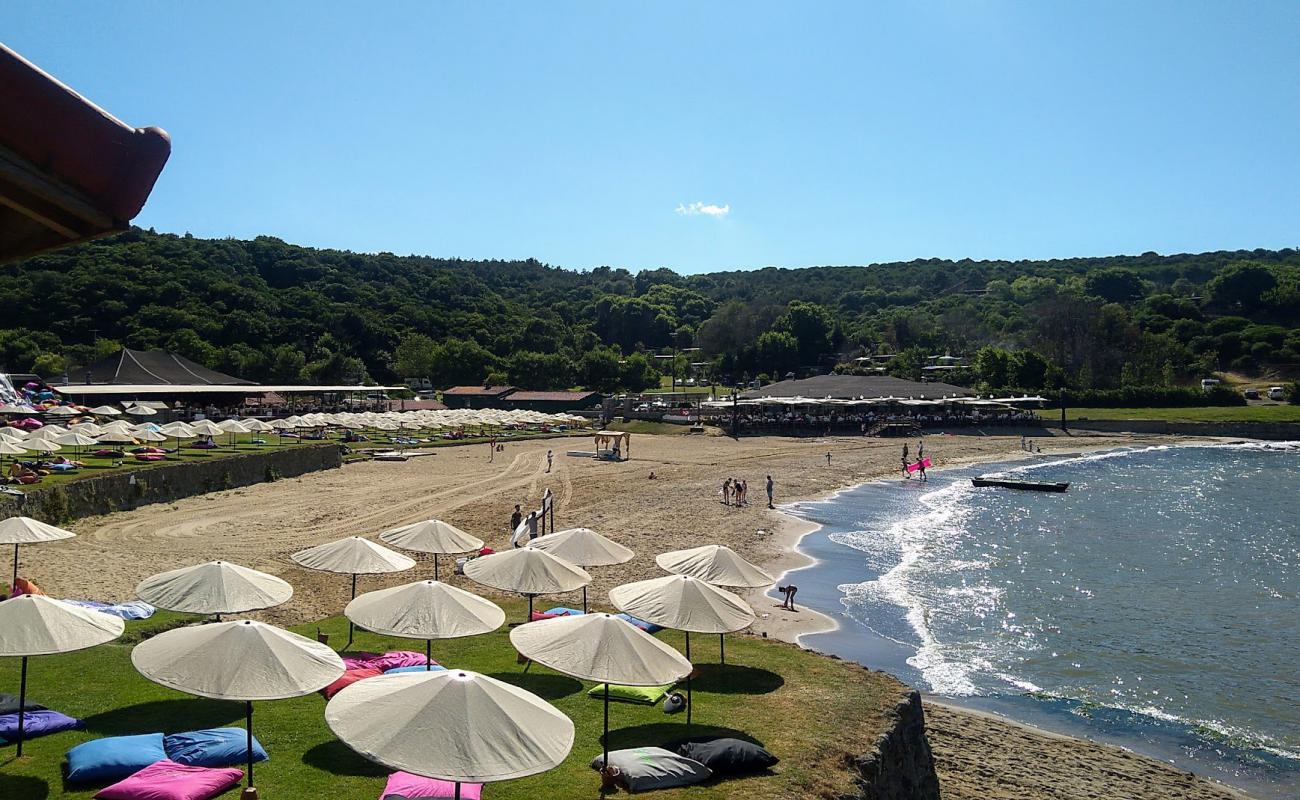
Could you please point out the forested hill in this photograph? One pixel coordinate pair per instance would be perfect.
(271, 311)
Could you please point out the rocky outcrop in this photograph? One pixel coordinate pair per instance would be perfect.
(162, 483)
(900, 765)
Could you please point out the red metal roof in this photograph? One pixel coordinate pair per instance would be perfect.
(478, 391)
(69, 171)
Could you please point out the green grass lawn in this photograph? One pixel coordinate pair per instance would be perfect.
(1278, 413)
(807, 709)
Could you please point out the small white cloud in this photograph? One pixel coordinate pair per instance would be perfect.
(707, 209)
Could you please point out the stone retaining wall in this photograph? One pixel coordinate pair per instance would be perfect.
(126, 489)
(900, 766)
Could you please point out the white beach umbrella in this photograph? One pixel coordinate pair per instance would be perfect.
(19, 531)
(431, 536)
(206, 427)
(716, 564)
(455, 725)
(13, 434)
(240, 660)
(600, 648)
(232, 427)
(685, 604)
(425, 610)
(40, 446)
(36, 625)
(138, 410)
(149, 435)
(61, 411)
(216, 587)
(105, 411)
(10, 408)
(9, 447)
(48, 432)
(584, 548)
(74, 439)
(88, 428)
(528, 572)
(115, 437)
(353, 556)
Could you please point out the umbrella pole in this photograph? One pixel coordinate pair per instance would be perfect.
(435, 566)
(690, 704)
(13, 587)
(249, 709)
(722, 647)
(428, 655)
(350, 627)
(457, 790)
(22, 704)
(530, 609)
(606, 739)
(584, 599)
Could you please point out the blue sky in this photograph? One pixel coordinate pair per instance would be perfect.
(703, 136)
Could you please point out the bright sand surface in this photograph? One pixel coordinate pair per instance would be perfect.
(978, 755)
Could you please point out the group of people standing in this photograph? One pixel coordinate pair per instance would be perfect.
(908, 467)
(735, 492)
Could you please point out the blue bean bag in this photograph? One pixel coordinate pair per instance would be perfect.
(395, 670)
(648, 627)
(561, 611)
(214, 747)
(113, 758)
(36, 723)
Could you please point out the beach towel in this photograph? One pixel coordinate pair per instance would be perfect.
(167, 780)
(212, 747)
(131, 609)
(405, 786)
(37, 723)
(925, 462)
(113, 758)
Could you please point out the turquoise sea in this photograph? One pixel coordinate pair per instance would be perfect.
(1154, 605)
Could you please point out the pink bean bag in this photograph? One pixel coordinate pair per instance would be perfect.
(359, 660)
(404, 784)
(350, 677)
(150, 457)
(398, 658)
(167, 780)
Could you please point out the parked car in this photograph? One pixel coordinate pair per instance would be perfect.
(1208, 383)
(1276, 393)
(1251, 393)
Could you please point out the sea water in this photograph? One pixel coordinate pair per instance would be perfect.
(1153, 605)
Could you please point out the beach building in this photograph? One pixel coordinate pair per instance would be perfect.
(550, 402)
(858, 387)
(475, 396)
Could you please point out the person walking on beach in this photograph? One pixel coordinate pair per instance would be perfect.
(828, 458)
(920, 460)
(907, 475)
(550, 457)
(532, 524)
(726, 492)
(744, 493)
(492, 449)
(516, 518)
(769, 492)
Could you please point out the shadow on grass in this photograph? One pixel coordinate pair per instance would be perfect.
(547, 685)
(168, 716)
(736, 679)
(23, 786)
(671, 735)
(337, 758)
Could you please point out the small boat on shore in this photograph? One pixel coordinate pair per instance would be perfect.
(1012, 483)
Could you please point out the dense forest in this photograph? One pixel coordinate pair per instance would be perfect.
(271, 311)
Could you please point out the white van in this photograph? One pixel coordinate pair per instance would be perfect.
(1276, 393)
(1208, 383)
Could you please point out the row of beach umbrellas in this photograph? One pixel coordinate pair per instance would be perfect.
(475, 712)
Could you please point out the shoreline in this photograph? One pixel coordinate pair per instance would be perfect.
(794, 528)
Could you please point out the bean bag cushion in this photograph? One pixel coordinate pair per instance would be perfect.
(63, 467)
(212, 747)
(167, 780)
(359, 660)
(24, 586)
(728, 756)
(348, 678)
(398, 658)
(536, 615)
(108, 453)
(9, 704)
(647, 768)
(645, 695)
(114, 758)
(561, 611)
(433, 668)
(149, 457)
(648, 627)
(405, 786)
(37, 723)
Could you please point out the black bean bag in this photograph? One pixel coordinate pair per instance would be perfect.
(9, 704)
(728, 756)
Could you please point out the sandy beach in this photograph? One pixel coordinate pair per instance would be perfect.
(978, 755)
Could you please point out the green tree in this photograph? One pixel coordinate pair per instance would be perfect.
(416, 356)
(462, 362)
(532, 370)
(1114, 285)
(1241, 286)
(777, 352)
(992, 367)
(638, 374)
(287, 363)
(599, 370)
(811, 325)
